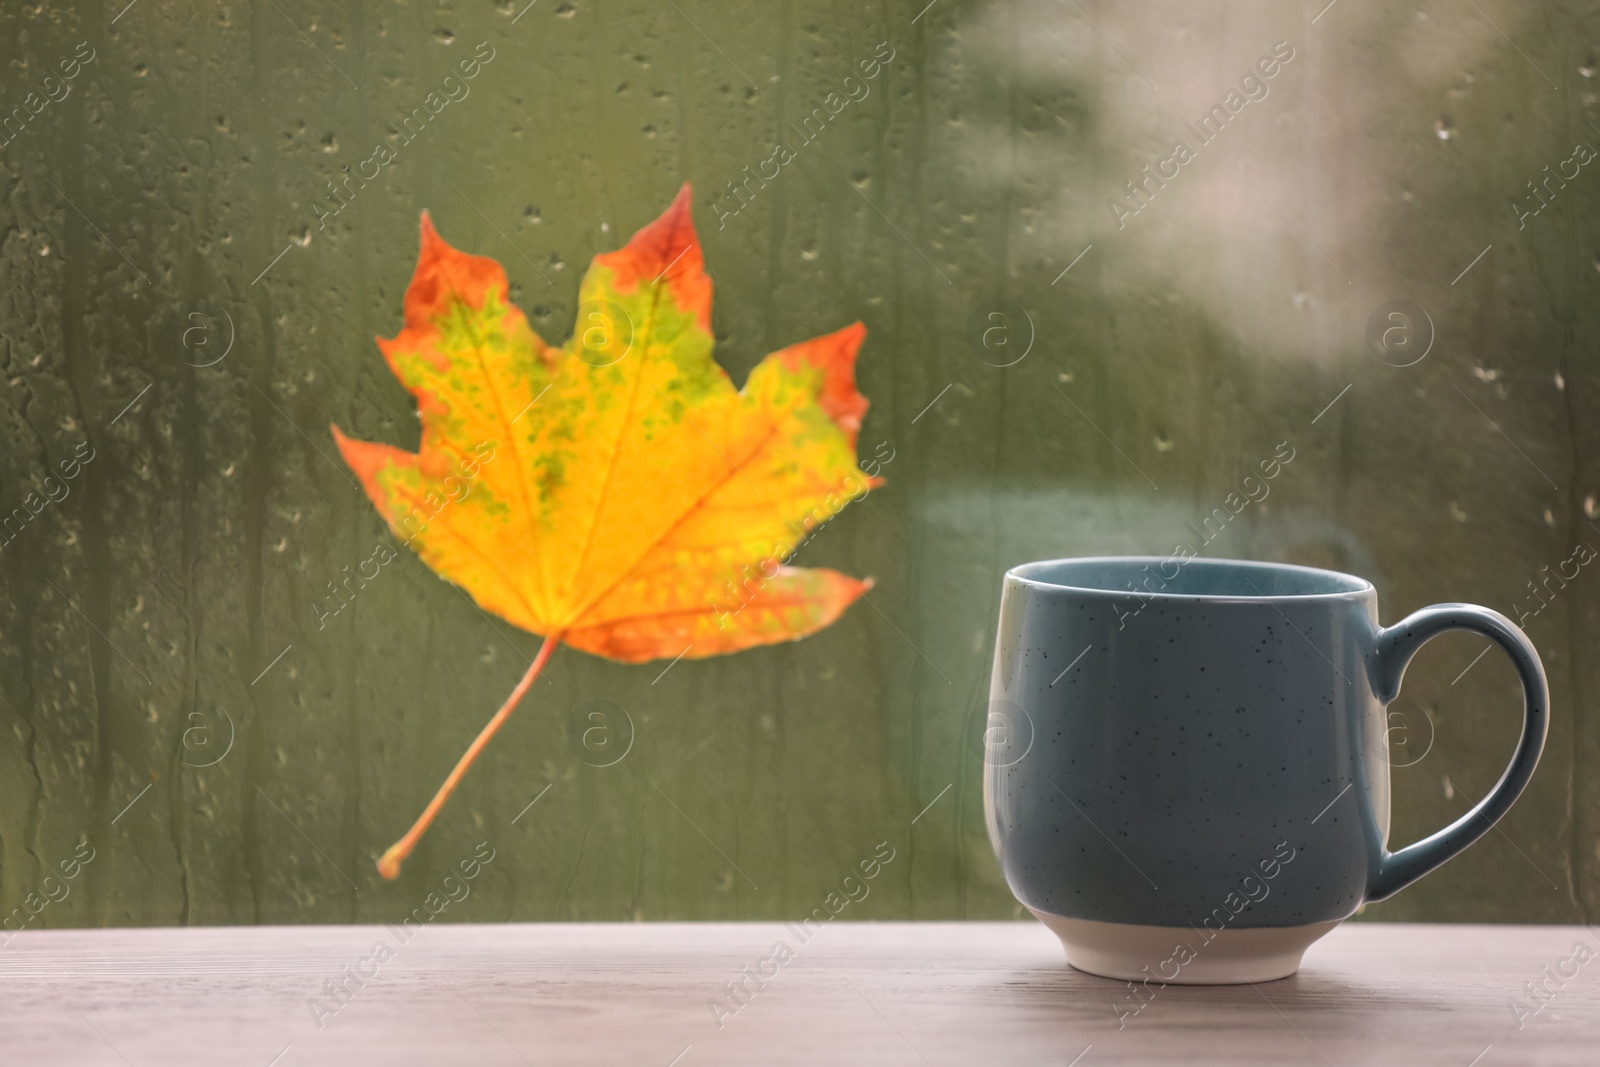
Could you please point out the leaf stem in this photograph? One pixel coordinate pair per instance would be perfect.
(389, 863)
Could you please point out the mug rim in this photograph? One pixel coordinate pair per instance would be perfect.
(1357, 587)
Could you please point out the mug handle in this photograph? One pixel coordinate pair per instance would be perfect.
(1393, 650)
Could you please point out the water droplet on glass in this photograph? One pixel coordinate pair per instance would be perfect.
(1444, 128)
(566, 11)
(444, 36)
(1586, 68)
(1590, 507)
(1456, 513)
(330, 143)
(1163, 442)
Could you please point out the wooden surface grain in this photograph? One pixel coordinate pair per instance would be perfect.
(879, 993)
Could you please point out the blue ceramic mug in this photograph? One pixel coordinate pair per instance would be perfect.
(1185, 766)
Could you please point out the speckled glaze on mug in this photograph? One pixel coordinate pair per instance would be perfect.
(1186, 772)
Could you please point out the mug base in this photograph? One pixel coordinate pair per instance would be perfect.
(1126, 950)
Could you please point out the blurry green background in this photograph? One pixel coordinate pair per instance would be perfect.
(158, 625)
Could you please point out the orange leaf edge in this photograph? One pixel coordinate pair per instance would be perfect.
(636, 641)
(667, 248)
(834, 354)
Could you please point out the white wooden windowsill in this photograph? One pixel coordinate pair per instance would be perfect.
(872, 993)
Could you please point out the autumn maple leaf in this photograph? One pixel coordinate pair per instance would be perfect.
(617, 493)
